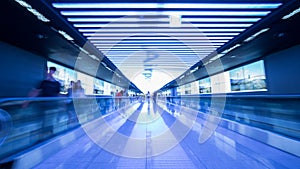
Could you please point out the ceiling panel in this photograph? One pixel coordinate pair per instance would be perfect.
(145, 38)
(157, 36)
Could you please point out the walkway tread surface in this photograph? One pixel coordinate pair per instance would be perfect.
(143, 126)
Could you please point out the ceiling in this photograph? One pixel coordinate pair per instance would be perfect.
(25, 30)
(118, 41)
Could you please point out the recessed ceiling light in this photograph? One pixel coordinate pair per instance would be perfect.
(169, 5)
(167, 13)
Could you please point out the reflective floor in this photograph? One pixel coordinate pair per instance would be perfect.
(147, 135)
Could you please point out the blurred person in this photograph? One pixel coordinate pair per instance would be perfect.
(116, 100)
(154, 97)
(78, 90)
(70, 105)
(49, 87)
(119, 99)
(148, 95)
(70, 89)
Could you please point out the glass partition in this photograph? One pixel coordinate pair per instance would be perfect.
(28, 121)
(276, 113)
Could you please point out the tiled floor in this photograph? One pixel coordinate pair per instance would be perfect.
(144, 140)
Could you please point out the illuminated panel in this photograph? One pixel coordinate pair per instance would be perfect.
(151, 30)
(168, 13)
(117, 25)
(168, 5)
(133, 20)
(119, 30)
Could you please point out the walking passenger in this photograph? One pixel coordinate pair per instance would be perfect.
(49, 87)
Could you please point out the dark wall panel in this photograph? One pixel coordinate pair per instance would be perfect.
(20, 71)
(283, 71)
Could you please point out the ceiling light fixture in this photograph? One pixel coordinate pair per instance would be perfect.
(65, 35)
(168, 5)
(156, 19)
(153, 30)
(168, 13)
(256, 34)
(33, 11)
(174, 23)
(94, 57)
(170, 34)
(230, 49)
(291, 14)
(193, 38)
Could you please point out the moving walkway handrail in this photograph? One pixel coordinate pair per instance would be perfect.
(283, 96)
(44, 118)
(18, 99)
(276, 113)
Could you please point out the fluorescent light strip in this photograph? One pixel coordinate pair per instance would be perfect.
(136, 65)
(151, 51)
(139, 58)
(230, 49)
(159, 57)
(68, 37)
(117, 25)
(119, 20)
(158, 38)
(156, 53)
(256, 34)
(164, 61)
(160, 30)
(291, 14)
(216, 57)
(151, 44)
(133, 67)
(160, 60)
(33, 11)
(134, 20)
(172, 68)
(171, 35)
(220, 19)
(158, 47)
(168, 13)
(160, 41)
(157, 50)
(124, 53)
(168, 5)
(94, 57)
(84, 51)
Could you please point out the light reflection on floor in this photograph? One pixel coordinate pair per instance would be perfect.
(146, 132)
